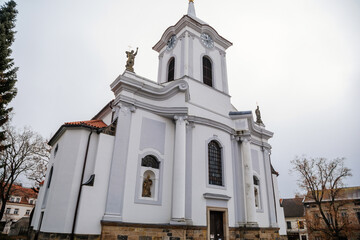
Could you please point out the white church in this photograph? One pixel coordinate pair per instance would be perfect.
(171, 159)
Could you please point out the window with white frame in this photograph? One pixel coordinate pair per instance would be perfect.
(17, 199)
(27, 212)
(16, 211)
(7, 210)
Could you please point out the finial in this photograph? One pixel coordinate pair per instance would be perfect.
(258, 116)
(191, 1)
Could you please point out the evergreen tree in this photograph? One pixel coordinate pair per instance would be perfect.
(7, 69)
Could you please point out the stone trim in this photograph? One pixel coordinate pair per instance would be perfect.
(149, 225)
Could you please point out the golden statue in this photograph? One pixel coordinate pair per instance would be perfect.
(191, 1)
(131, 60)
(146, 192)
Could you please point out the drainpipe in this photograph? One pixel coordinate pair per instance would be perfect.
(72, 236)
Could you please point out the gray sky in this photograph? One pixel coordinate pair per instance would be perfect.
(298, 59)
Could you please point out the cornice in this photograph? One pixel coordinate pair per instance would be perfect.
(254, 129)
(187, 21)
(211, 123)
(162, 111)
(158, 93)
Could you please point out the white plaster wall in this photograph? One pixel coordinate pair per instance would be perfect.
(139, 212)
(37, 209)
(201, 136)
(93, 198)
(63, 191)
(209, 99)
(91, 158)
(279, 209)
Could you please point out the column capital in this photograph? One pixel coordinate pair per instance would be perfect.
(180, 118)
(245, 139)
(125, 109)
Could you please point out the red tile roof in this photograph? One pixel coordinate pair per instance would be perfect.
(91, 123)
(24, 193)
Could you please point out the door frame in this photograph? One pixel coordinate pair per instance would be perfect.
(225, 220)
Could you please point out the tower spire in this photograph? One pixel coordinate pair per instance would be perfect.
(191, 9)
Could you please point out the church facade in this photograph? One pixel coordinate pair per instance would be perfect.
(171, 159)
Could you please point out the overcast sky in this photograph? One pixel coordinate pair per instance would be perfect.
(300, 60)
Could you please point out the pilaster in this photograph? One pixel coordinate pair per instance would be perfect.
(116, 186)
(269, 188)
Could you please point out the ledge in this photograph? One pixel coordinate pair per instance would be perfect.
(216, 196)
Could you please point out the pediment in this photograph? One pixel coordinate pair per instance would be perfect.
(197, 25)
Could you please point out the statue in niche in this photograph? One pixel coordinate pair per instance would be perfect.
(131, 60)
(146, 191)
(258, 116)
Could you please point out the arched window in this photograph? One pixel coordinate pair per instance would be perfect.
(257, 192)
(207, 71)
(215, 164)
(171, 69)
(50, 177)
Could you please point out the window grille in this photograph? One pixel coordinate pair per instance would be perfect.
(150, 161)
(207, 71)
(215, 164)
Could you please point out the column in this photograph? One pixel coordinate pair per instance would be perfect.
(249, 182)
(178, 190)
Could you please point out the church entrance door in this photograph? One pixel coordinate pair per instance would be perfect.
(216, 225)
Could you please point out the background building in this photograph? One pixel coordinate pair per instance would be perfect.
(347, 217)
(20, 204)
(295, 218)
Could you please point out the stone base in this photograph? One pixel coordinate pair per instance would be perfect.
(59, 236)
(128, 231)
(247, 233)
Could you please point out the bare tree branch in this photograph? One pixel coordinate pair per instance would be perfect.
(27, 155)
(323, 180)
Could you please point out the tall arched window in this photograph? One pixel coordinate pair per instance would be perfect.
(171, 69)
(257, 192)
(207, 71)
(50, 177)
(215, 163)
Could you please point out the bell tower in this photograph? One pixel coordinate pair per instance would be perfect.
(194, 49)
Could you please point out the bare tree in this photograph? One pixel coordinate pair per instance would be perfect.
(40, 161)
(25, 153)
(323, 181)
